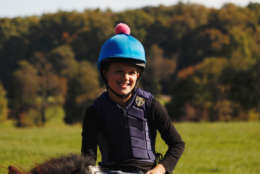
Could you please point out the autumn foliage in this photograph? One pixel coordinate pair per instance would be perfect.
(207, 60)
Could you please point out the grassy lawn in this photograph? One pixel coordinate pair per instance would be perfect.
(222, 148)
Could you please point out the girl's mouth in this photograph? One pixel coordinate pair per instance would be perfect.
(123, 85)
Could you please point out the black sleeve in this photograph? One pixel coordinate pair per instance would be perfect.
(89, 135)
(169, 134)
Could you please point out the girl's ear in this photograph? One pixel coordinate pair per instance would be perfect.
(104, 74)
(139, 72)
(13, 170)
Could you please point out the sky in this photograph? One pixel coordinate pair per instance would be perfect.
(14, 8)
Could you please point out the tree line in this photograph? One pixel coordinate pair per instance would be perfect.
(207, 60)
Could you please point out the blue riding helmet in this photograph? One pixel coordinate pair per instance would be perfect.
(122, 47)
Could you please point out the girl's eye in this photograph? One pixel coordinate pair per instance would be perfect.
(132, 73)
(125, 72)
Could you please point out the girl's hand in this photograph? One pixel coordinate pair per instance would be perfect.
(158, 169)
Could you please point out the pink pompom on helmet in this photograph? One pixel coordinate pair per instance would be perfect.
(122, 28)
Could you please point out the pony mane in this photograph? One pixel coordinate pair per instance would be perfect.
(69, 164)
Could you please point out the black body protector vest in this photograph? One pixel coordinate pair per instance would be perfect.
(126, 133)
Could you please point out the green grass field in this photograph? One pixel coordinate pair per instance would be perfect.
(221, 148)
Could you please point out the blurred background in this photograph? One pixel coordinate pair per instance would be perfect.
(203, 65)
(14, 8)
(203, 57)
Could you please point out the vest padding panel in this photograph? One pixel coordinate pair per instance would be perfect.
(126, 132)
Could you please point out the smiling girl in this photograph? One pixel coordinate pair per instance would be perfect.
(124, 120)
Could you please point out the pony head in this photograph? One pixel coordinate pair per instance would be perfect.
(71, 164)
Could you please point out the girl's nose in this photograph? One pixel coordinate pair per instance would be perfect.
(125, 75)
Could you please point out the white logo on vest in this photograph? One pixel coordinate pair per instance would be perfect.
(140, 101)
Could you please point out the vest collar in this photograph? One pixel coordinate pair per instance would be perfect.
(128, 103)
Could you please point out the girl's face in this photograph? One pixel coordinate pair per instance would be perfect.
(121, 77)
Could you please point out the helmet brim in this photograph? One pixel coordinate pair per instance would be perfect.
(130, 61)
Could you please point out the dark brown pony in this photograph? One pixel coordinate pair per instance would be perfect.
(71, 164)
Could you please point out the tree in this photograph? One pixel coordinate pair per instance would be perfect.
(63, 61)
(209, 91)
(138, 20)
(35, 89)
(201, 43)
(13, 46)
(9, 58)
(24, 91)
(159, 70)
(187, 18)
(50, 29)
(231, 15)
(241, 49)
(82, 90)
(185, 35)
(52, 89)
(87, 41)
(3, 104)
(244, 86)
(198, 88)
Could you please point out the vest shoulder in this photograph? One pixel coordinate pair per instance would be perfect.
(144, 94)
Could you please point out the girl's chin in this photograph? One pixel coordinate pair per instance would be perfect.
(123, 91)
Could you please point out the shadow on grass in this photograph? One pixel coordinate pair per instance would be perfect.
(207, 170)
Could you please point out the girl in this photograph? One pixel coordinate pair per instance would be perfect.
(124, 120)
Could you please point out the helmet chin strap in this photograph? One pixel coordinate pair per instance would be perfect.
(122, 96)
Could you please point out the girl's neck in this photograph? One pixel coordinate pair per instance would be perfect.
(119, 100)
